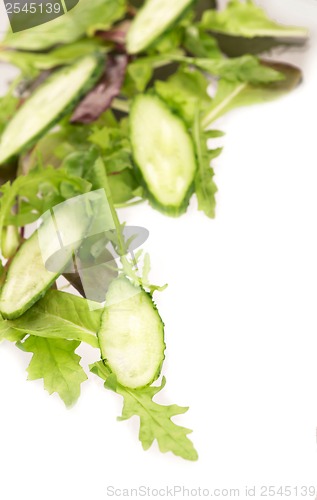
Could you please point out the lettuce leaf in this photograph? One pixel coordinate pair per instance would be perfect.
(205, 187)
(233, 94)
(60, 315)
(246, 68)
(155, 419)
(249, 20)
(40, 190)
(55, 361)
(184, 92)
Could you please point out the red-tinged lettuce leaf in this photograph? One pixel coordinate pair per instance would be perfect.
(117, 34)
(98, 100)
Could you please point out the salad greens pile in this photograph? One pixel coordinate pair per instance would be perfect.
(113, 98)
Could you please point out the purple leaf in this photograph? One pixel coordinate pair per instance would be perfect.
(99, 99)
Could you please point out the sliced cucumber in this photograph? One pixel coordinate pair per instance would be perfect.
(28, 278)
(49, 103)
(164, 153)
(131, 335)
(152, 20)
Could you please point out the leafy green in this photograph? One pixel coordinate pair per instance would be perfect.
(40, 190)
(201, 44)
(123, 186)
(248, 20)
(31, 63)
(8, 105)
(85, 19)
(8, 333)
(55, 361)
(55, 146)
(114, 142)
(141, 70)
(139, 73)
(205, 187)
(155, 419)
(184, 92)
(71, 160)
(244, 69)
(232, 94)
(60, 315)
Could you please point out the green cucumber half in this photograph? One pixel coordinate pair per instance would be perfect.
(50, 102)
(131, 335)
(28, 276)
(152, 20)
(164, 154)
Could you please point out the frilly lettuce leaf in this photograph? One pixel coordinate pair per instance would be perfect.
(155, 419)
(55, 361)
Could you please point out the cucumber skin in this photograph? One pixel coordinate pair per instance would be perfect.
(27, 306)
(18, 312)
(159, 370)
(167, 27)
(169, 210)
(85, 89)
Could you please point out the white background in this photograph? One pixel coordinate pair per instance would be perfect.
(241, 327)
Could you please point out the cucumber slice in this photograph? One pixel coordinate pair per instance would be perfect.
(164, 153)
(49, 103)
(131, 335)
(152, 20)
(28, 279)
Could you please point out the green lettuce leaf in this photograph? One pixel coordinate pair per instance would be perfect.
(123, 186)
(248, 20)
(31, 63)
(244, 69)
(85, 19)
(155, 419)
(141, 70)
(201, 44)
(60, 315)
(41, 189)
(55, 361)
(184, 92)
(231, 94)
(8, 106)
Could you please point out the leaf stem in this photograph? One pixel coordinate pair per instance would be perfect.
(121, 105)
(127, 205)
